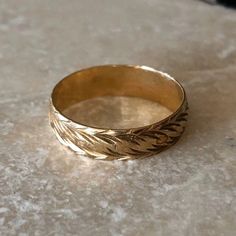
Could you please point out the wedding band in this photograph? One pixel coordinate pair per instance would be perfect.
(118, 80)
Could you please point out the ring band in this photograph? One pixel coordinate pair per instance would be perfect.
(118, 80)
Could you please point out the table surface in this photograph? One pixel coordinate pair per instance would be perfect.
(45, 189)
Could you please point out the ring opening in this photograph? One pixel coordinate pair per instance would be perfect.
(117, 96)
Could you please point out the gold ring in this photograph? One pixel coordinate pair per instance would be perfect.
(118, 80)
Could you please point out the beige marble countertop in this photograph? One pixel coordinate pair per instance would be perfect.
(45, 189)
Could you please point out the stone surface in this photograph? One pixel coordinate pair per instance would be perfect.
(45, 189)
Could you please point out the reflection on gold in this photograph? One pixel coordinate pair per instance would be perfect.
(117, 112)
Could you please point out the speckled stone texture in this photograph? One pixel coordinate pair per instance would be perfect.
(45, 189)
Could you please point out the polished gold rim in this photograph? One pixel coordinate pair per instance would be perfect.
(118, 80)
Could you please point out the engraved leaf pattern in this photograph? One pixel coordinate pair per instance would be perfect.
(119, 144)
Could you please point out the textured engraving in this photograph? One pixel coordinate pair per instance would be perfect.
(121, 144)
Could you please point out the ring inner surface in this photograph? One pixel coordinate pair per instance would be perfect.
(117, 97)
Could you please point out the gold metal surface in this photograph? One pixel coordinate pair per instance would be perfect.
(111, 142)
(117, 112)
